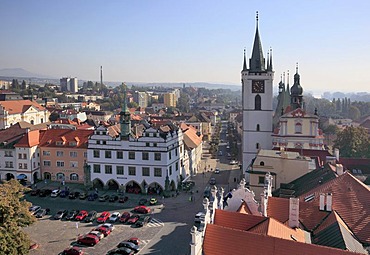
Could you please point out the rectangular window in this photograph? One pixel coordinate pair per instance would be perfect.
(146, 171)
(73, 154)
(145, 156)
(108, 169)
(147, 144)
(170, 170)
(131, 170)
(20, 165)
(104, 142)
(25, 166)
(46, 153)
(96, 154)
(261, 179)
(85, 154)
(119, 154)
(59, 153)
(19, 155)
(131, 155)
(176, 152)
(47, 163)
(72, 143)
(177, 166)
(119, 170)
(154, 144)
(108, 154)
(8, 164)
(8, 154)
(158, 172)
(169, 155)
(73, 164)
(96, 168)
(59, 143)
(157, 156)
(60, 163)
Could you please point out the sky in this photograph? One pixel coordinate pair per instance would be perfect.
(188, 40)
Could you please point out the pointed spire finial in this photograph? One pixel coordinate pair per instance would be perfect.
(257, 17)
(245, 61)
(284, 77)
(296, 68)
(270, 59)
(281, 77)
(288, 78)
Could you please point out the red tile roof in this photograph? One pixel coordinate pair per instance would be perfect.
(236, 220)
(219, 240)
(20, 106)
(30, 139)
(51, 136)
(351, 200)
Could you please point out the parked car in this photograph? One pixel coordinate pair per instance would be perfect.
(103, 198)
(233, 162)
(105, 231)
(91, 216)
(73, 251)
(33, 209)
(134, 240)
(64, 193)
(123, 251)
(142, 209)
(153, 201)
(129, 245)
(199, 217)
(97, 233)
(212, 181)
(220, 153)
(143, 222)
(81, 215)
(104, 216)
(217, 171)
(113, 198)
(143, 201)
(133, 219)
(88, 240)
(55, 193)
(108, 225)
(60, 214)
(44, 192)
(114, 217)
(83, 195)
(41, 213)
(74, 195)
(72, 214)
(35, 192)
(124, 217)
(92, 196)
(122, 199)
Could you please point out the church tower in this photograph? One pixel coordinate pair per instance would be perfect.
(296, 91)
(257, 101)
(125, 119)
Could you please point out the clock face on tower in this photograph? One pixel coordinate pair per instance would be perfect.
(258, 86)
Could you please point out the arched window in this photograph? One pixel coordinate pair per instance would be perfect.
(257, 102)
(73, 177)
(60, 176)
(258, 127)
(32, 122)
(257, 146)
(298, 128)
(262, 163)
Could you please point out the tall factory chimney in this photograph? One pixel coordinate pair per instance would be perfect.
(101, 75)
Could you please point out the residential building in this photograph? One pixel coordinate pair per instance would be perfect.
(141, 98)
(69, 84)
(63, 154)
(15, 111)
(147, 161)
(98, 116)
(193, 146)
(170, 99)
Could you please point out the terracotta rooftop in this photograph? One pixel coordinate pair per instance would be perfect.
(29, 139)
(50, 137)
(219, 240)
(20, 106)
(236, 220)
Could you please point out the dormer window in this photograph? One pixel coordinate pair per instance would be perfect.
(59, 143)
(72, 143)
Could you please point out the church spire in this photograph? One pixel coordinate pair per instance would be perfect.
(245, 62)
(257, 61)
(270, 59)
(125, 119)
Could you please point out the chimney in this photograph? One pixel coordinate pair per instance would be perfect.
(264, 200)
(339, 169)
(322, 202)
(336, 153)
(294, 212)
(329, 202)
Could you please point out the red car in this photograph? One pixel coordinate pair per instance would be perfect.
(142, 209)
(104, 216)
(124, 217)
(133, 219)
(134, 240)
(82, 215)
(88, 240)
(73, 251)
(105, 231)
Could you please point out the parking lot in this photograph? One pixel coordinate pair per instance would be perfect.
(53, 236)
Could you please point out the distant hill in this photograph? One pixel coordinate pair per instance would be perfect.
(187, 84)
(20, 72)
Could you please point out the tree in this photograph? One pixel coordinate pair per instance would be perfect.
(24, 85)
(353, 142)
(14, 215)
(354, 113)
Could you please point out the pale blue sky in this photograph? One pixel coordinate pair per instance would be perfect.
(188, 41)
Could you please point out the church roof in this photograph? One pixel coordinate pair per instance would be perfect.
(257, 61)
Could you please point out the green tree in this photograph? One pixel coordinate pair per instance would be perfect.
(14, 215)
(354, 113)
(353, 142)
(183, 102)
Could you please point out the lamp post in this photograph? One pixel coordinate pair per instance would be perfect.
(87, 175)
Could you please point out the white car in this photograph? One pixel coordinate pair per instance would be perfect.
(114, 217)
(55, 193)
(233, 162)
(107, 225)
(217, 171)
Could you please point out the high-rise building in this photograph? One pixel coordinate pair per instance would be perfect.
(257, 101)
(69, 84)
(170, 99)
(141, 98)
